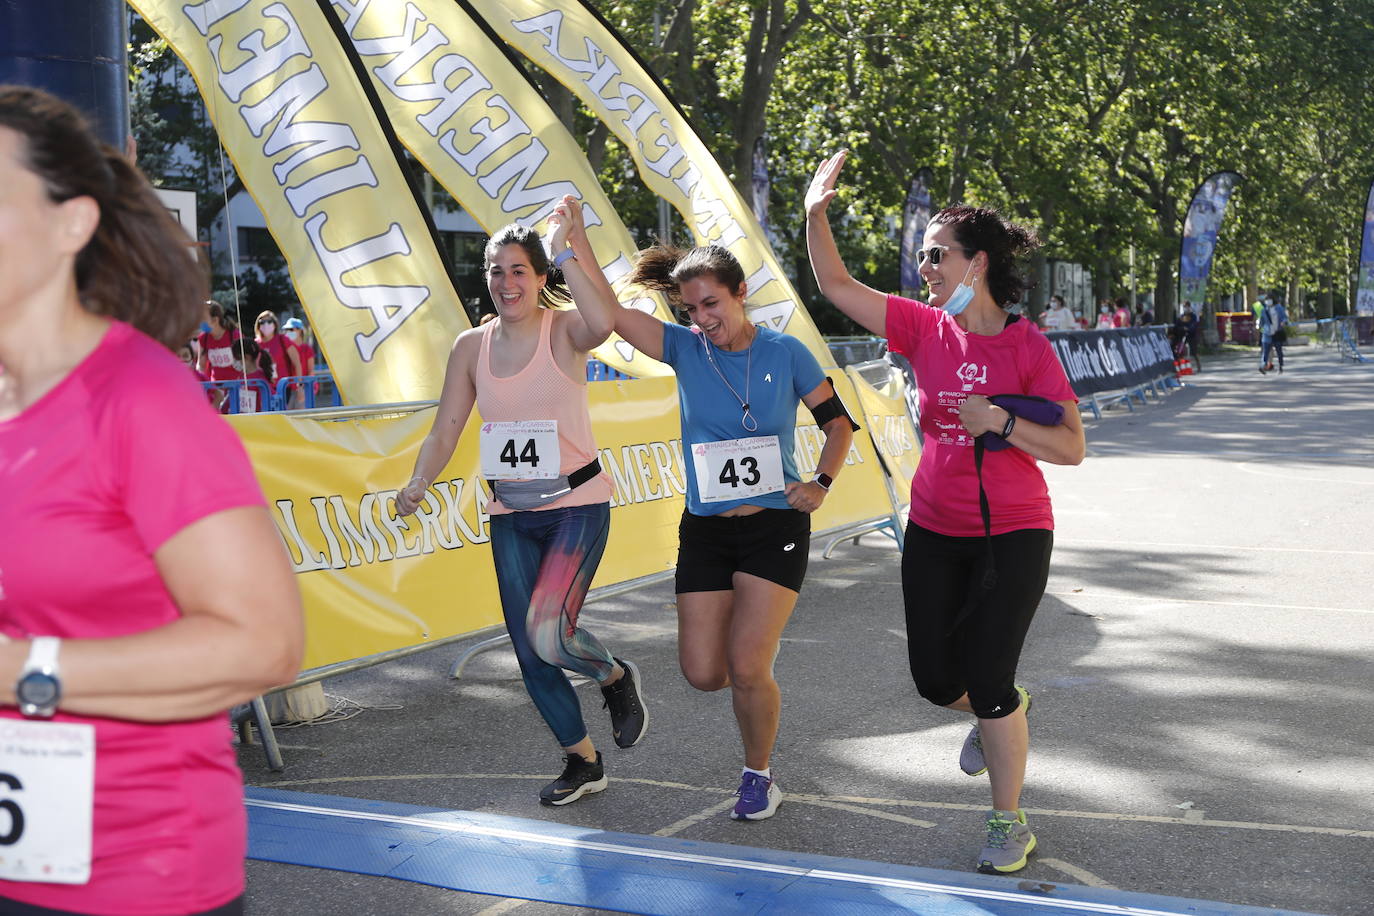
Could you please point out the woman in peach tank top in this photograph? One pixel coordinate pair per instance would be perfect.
(550, 513)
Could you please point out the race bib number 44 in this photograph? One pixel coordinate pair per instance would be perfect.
(520, 450)
(737, 468)
(47, 793)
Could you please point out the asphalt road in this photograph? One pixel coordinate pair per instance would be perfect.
(1201, 666)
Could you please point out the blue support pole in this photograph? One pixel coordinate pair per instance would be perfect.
(75, 49)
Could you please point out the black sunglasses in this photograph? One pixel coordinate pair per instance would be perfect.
(936, 253)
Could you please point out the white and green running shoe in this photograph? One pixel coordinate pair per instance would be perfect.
(971, 757)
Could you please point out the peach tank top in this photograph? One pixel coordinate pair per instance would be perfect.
(543, 391)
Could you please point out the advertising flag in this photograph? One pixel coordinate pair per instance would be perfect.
(915, 217)
(306, 138)
(1364, 298)
(572, 43)
(1200, 230)
(473, 119)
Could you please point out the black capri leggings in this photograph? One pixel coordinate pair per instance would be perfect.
(939, 575)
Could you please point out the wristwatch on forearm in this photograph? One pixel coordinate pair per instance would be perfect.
(39, 689)
(824, 481)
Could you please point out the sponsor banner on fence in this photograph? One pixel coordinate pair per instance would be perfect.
(311, 149)
(477, 124)
(574, 45)
(1098, 361)
(373, 581)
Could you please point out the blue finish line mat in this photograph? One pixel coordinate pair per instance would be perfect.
(557, 863)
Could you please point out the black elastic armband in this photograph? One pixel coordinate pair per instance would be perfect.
(831, 408)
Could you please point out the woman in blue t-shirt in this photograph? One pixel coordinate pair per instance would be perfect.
(743, 540)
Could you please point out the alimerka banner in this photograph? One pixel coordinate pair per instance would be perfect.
(1364, 298)
(477, 124)
(1098, 361)
(1200, 229)
(373, 581)
(916, 215)
(577, 47)
(306, 139)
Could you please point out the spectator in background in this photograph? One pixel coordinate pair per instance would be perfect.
(216, 345)
(1147, 316)
(286, 360)
(1058, 317)
(1105, 322)
(1121, 316)
(1186, 328)
(295, 332)
(146, 590)
(1273, 334)
(252, 363)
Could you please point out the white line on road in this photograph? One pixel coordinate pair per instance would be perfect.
(1081, 875)
(862, 800)
(717, 808)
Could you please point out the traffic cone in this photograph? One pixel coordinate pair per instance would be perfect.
(1183, 366)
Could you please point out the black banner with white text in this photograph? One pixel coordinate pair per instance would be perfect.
(1099, 361)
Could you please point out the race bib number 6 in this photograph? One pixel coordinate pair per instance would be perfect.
(47, 793)
(520, 450)
(737, 468)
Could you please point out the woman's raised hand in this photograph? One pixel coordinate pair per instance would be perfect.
(822, 189)
(567, 224)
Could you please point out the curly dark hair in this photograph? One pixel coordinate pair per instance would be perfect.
(1006, 244)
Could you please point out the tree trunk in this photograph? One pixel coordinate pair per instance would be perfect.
(1251, 282)
(769, 33)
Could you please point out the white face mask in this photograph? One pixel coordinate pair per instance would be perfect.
(961, 297)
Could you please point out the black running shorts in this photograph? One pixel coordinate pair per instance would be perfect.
(772, 544)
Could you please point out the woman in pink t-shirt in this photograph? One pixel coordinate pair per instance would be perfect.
(966, 627)
(127, 624)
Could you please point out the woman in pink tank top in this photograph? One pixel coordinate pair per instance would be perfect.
(550, 513)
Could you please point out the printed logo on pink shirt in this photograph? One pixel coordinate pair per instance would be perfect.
(971, 374)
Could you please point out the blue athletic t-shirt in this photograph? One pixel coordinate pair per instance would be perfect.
(781, 371)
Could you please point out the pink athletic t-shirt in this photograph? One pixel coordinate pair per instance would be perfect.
(94, 477)
(950, 364)
(219, 354)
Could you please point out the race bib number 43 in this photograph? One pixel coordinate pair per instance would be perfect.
(737, 468)
(520, 450)
(47, 792)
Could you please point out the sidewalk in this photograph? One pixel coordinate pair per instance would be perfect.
(1200, 666)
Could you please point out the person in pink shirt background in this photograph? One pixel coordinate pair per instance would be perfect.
(216, 354)
(965, 627)
(127, 623)
(285, 359)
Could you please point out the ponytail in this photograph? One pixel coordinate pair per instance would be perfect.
(137, 266)
(665, 267)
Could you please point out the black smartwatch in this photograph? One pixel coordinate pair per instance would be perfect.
(38, 688)
(824, 481)
(1011, 424)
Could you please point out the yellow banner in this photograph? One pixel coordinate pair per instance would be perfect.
(373, 582)
(891, 431)
(487, 135)
(304, 137)
(571, 43)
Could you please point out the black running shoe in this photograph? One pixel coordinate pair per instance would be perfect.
(579, 778)
(629, 717)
